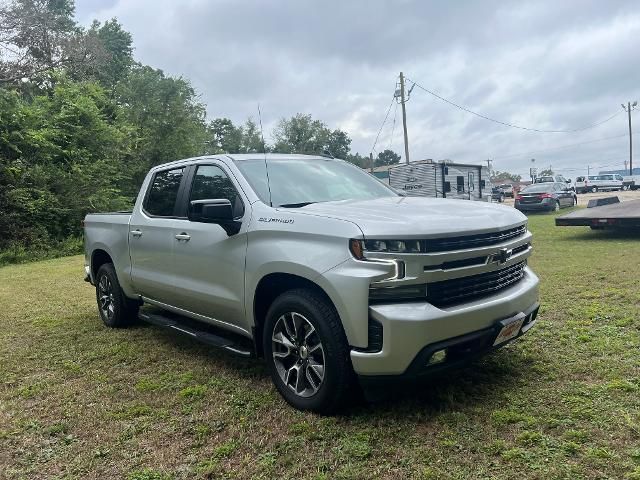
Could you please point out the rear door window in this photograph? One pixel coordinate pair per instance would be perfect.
(161, 200)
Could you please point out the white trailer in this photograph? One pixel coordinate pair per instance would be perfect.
(443, 179)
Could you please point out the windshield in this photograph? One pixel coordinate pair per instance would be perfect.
(296, 182)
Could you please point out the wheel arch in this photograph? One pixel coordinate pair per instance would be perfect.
(268, 289)
(98, 258)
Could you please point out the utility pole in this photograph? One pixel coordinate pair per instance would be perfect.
(371, 161)
(404, 119)
(628, 108)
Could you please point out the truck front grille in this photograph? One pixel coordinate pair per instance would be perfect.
(473, 241)
(450, 292)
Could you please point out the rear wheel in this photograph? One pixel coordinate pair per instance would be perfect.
(556, 207)
(307, 352)
(116, 310)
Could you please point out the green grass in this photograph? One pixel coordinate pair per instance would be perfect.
(78, 400)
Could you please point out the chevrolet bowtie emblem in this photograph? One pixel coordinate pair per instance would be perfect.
(502, 255)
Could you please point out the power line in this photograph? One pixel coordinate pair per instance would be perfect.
(507, 124)
(525, 154)
(393, 127)
(373, 148)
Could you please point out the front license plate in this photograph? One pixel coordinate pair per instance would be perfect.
(509, 331)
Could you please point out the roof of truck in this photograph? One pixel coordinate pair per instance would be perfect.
(246, 156)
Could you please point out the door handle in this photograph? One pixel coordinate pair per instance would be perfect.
(183, 236)
(136, 233)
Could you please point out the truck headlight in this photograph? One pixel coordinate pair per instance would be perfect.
(395, 246)
(360, 247)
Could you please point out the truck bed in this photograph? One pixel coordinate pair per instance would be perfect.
(622, 214)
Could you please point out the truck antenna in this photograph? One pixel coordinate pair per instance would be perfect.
(264, 152)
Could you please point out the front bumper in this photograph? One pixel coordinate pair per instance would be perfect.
(411, 329)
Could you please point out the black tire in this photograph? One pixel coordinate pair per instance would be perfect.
(333, 390)
(556, 207)
(594, 190)
(116, 311)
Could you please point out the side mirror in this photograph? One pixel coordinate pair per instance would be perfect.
(218, 211)
(568, 180)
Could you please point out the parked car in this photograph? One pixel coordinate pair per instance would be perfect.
(545, 196)
(497, 194)
(507, 189)
(595, 183)
(555, 179)
(317, 267)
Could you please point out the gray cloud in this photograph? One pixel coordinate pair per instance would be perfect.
(549, 65)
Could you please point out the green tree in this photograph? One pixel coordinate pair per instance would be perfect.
(225, 137)
(387, 157)
(61, 156)
(252, 138)
(545, 173)
(498, 176)
(338, 144)
(39, 36)
(169, 120)
(116, 50)
(302, 134)
(359, 160)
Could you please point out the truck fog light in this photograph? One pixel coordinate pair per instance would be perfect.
(438, 357)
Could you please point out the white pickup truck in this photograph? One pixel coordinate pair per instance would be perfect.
(315, 266)
(631, 182)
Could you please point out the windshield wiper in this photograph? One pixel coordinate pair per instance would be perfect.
(295, 205)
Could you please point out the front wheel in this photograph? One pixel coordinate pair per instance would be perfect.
(556, 207)
(116, 310)
(594, 189)
(307, 353)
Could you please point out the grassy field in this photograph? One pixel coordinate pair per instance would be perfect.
(78, 400)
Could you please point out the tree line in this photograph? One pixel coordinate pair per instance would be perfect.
(81, 122)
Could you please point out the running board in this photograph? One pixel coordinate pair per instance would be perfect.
(212, 339)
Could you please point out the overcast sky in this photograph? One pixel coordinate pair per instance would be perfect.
(556, 65)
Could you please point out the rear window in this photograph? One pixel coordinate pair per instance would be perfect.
(161, 200)
(539, 188)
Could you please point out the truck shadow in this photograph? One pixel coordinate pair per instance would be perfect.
(587, 234)
(489, 379)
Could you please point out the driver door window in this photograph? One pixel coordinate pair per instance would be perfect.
(211, 182)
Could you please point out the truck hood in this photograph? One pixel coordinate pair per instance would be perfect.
(419, 217)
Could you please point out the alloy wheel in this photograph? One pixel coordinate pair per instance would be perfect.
(106, 298)
(298, 354)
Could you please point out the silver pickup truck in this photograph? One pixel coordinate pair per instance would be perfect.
(316, 266)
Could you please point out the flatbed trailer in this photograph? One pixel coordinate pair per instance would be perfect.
(613, 214)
